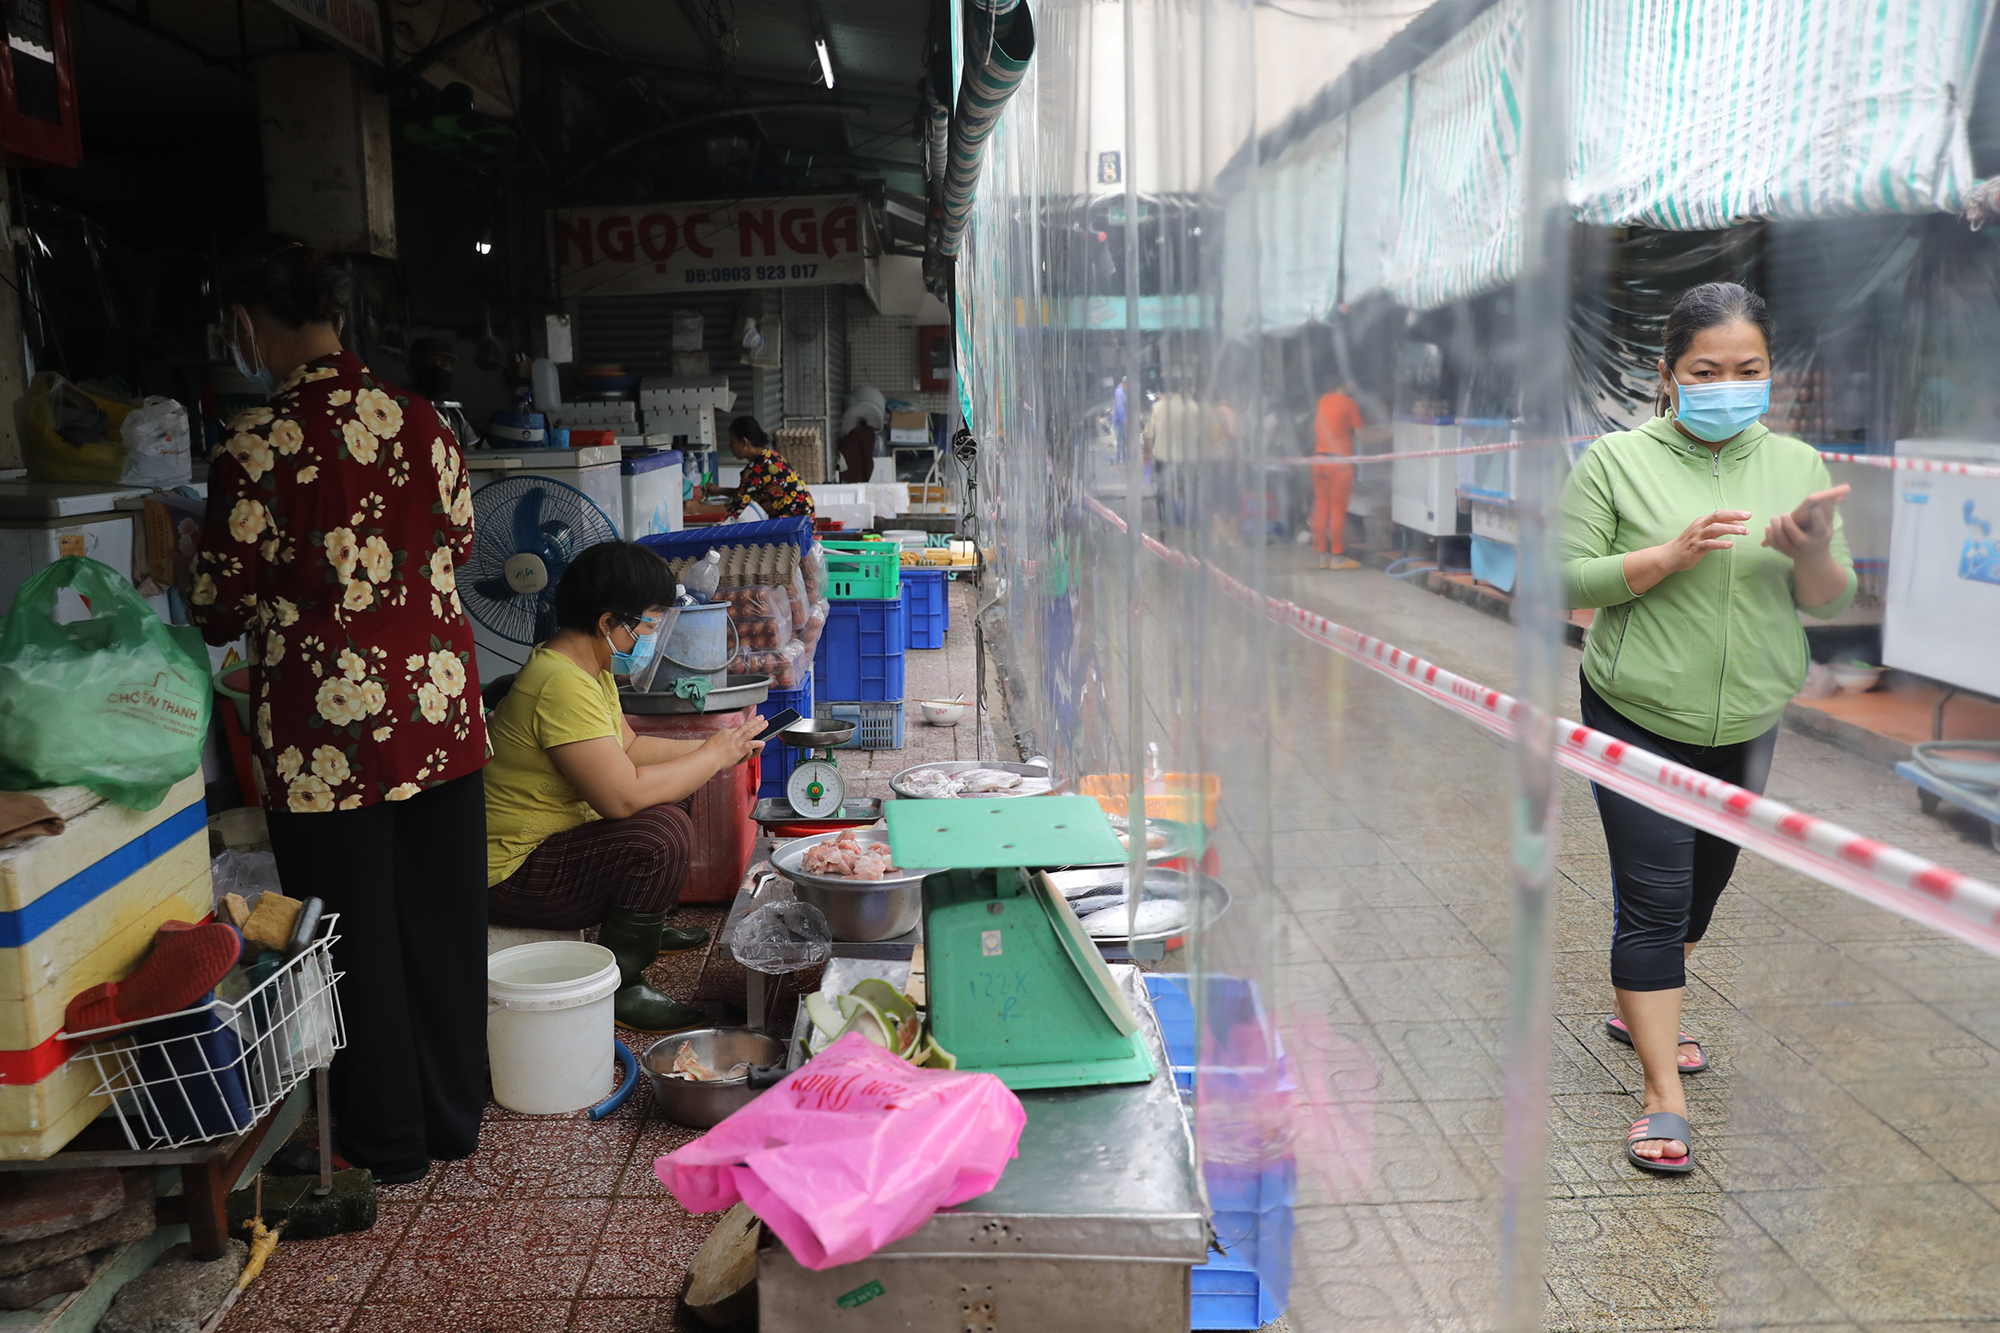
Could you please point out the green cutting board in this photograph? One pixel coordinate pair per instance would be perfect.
(1029, 831)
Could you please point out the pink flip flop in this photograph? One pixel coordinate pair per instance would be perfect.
(1615, 1029)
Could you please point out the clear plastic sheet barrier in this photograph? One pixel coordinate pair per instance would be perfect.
(1292, 335)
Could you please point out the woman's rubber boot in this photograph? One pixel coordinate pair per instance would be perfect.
(634, 940)
(675, 939)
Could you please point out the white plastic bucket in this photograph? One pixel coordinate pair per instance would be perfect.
(549, 1026)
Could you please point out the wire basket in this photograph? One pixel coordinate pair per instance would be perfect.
(214, 1071)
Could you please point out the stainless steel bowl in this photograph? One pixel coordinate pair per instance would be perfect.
(702, 1105)
(857, 911)
(816, 733)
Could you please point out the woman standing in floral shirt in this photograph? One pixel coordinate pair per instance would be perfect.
(767, 477)
(337, 517)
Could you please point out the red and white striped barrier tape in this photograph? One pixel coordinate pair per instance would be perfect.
(1400, 457)
(1891, 462)
(1897, 463)
(1886, 876)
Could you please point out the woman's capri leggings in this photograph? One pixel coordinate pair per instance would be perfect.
(637, 864)
(1665, 875)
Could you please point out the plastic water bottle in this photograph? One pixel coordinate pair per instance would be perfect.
(703, 577)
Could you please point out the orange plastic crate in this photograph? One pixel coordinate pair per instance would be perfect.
(1189, 798)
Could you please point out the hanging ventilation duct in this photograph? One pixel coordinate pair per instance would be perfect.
(999, 41)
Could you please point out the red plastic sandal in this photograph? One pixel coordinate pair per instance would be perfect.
(186, 963)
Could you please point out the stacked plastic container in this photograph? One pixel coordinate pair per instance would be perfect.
(774, 579)
(858, 670)
(1245, 1283)
(926, 607)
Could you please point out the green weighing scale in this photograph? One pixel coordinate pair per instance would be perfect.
(1015, 986)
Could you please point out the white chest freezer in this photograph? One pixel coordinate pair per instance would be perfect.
(41, 522)
(1425, 490)
(1942, 617)
(651, 486)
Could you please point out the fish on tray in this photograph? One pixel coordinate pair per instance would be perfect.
(848, 857)
(1156, 916)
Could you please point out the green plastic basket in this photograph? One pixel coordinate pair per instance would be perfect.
(863, 571)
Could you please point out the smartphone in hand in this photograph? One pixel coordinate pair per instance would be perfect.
(778, 723)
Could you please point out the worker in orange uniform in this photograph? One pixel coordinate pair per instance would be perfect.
(1334, 426)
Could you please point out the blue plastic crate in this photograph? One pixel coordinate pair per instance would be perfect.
(861, 652)
(694, 542)
(1227, 1298)
(780, 760)
(926, 603)
(878, 726)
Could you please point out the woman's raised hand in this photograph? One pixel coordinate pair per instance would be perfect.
(1806, 532)
(732, 745)
(1711, 532)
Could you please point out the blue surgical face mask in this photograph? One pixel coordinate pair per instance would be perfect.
(1721, 411)
(643, 645)
(261, 376)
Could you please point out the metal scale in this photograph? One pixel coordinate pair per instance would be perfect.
(816, 789)
(1015, 986)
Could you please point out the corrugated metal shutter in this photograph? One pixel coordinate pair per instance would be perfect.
(636, 332)
(805, 358)
(836, 358)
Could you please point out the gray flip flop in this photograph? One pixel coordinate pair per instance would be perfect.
(1615, 1029)
(1661, 1125)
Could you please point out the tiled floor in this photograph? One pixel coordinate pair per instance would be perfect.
(557, 1223)
(1846, 1135)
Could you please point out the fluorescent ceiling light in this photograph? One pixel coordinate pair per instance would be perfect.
(825, 64)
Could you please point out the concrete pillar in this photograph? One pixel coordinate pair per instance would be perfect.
(13, 354)
(327, 142)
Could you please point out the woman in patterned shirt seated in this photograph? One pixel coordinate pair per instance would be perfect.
(587, 822)
(767, 477)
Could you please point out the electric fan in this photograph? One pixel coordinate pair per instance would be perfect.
(527, 530)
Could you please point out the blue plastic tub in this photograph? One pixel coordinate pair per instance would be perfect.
(860, 655)
(779, 760)
(926, 607)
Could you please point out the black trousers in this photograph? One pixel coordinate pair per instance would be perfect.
(409, 881)
(1665, 875)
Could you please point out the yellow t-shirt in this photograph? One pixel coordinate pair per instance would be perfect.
(553, 702)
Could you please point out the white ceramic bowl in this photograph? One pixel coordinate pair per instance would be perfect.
(1854, 679)
(943, 714)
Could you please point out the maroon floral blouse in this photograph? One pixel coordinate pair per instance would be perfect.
(337, 517)
(769, 480)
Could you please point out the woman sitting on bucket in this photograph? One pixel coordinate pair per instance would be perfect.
(586, 822)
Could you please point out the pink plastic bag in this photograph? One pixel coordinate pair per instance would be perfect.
(852, 1150)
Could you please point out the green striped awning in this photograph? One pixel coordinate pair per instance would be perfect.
(1000, 40)
(1692, 115)
(1461, 189)
(1686, 115)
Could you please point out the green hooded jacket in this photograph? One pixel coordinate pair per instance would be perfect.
(1709, 655)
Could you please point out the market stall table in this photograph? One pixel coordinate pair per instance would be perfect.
(1096, 1225)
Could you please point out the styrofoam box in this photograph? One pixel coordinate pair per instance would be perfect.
(29, 545)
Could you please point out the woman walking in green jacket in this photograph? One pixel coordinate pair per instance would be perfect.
(1695, 649)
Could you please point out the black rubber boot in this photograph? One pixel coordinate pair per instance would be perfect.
(675, 939)
(634, 940)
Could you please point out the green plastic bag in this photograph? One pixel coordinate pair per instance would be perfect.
(108, 701)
